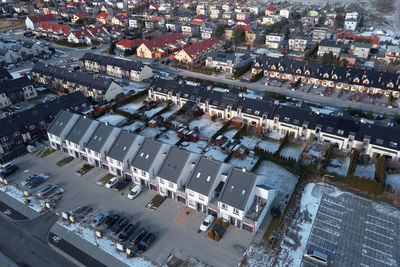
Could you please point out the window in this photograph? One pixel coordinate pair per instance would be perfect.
(236, 211)
(161, 181)
(201, 197)
(170, 184)
(191, 202)
(379, 141)
(144, 173)
(341, 132)
(393, 144)
(134, 170)
(224, 206)
(15, 134)
(31, 127)
(41, 123)
(190, 192)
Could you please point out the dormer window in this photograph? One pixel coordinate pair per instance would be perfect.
(298, 71)
(326, 75)
(341, 132)
(379, 141)
(393, 144)
(356, 80)
(281, 68)
(334, 76)
(307, 72)
(287, 119)
(390, 85)
(366, 81)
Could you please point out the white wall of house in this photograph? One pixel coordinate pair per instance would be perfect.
(112, 91)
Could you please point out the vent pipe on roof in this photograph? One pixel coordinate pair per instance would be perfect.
(243, 169)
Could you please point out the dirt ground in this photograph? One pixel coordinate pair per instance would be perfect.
(11, 24)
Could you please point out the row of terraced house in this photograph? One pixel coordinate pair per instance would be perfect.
(266, 115)
(209, 186)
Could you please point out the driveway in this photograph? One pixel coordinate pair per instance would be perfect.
(174, 236)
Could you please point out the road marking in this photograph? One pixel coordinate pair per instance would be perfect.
(362, 264)
(325, 207)
(335, 243)
(385, 236)
(329, 215)
(380, 243)
(383, 227)
(331, 251)
(388, 264)
(56, 238)
(329, 232)
(377, 250)
(7, 211)
(337, 226)
(383, 220)
(333, 203)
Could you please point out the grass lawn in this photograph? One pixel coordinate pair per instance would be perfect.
(85, 168)
(105, 179)
(273, 227)
(157, 201)
(64, 161)
(46, 152)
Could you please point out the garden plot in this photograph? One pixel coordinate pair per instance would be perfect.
(169, 137)
(247, 163)
(277, 177)
(229, 134)
(150, 132)
(292, 150)
(150, 113)
(169, 113)
(250, 141)
(131, 108)
(269, 145)
(216, 154)
(394, 181)
(342, 170)
(105, 244)
(134, 126)
(138, 87)
(113, 119)
(207, 127)
(367, 171)
(195, 147)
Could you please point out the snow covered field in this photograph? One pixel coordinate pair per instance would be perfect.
(150, 113)
(270, 145)
(169, 137)
(132, 127)
(195, 147)
(367, 171)
(131, 108)
(394, 181)
(104, 244)
(250, 141)
(216, 154)
(342, 170)
(150, 132)
(229, 134)
(207, 127)
(17, 74)
(112, 119)
(247, 163)
(292, 150)
(168, 114)
(277, 177)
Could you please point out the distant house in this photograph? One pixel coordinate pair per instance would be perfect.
(128, 44)
(298, 44)
(52, 30)
(16, 91)
(227, 62)
(319, 34)
(160, 46)
(32, 21)
(191, 54)
(274, 41)
(392, 53)
(104, 18)
(361, 50)
(327, 46)
(79, 15)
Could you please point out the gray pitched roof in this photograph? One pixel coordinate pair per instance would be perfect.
(146, 155)
(173, 164)
(222, 57)
(99, 137)
(59, 123)
(80, 128)
(238, 188)
(15, 84)
(121, 146)
(204, 176)
(112, 61)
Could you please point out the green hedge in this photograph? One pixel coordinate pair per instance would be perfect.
(221, 130)
(242, 70)
(290, 163)
(65, 43)
(368, 185)
(353, 163)
(328, 156)
(284, 141)
(256, 77)
(165, 109)
(131, 98)
(239, 133)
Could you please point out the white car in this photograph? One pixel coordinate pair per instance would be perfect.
(113, 181)
(135, 192)
(207, 223)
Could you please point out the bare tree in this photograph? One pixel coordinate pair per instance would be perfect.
(383, 6)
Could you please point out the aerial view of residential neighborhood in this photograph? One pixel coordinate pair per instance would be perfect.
(200, 133)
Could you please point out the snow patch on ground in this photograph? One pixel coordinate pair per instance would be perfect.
(169, 137)
(168, 114)
(250, 141)
(207, 127)
(106, 245)
(17, 74)
(131, 108)
(394, 181)
(247, 163)
(150, 113)
(150, 132)
(216, 154)
(18, 194)
(342, 170)
(229, 134)
(277, 177)
(195, 147)
(292, 150)
(132, 127)
(270, 145)
(367, 171)
(113, 119)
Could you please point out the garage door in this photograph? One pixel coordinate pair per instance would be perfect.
(181, 199)
(248, 228)
(153, 187)
(104, 166)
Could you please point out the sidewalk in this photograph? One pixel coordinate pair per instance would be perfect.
(6, 262)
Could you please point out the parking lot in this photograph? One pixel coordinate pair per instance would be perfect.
(352, 232)
(174, 234)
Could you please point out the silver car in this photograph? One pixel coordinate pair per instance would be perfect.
(45, 190)
(99, 219)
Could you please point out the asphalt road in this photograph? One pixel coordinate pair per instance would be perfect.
(25, 242)
(12, 213)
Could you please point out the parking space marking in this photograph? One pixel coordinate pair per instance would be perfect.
(362, 264)
(329, 232)
(323, 248)
(377, 250)
(385, 236)
(378, 260)
(325, 207)
(330, 216)
(337, 225)
(327, 200)
(383, 220)
(379, 226)
(329, 241)
(376, 241)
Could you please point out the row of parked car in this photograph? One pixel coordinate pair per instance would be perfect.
(138, 237)
(118, 184)
(6, 170)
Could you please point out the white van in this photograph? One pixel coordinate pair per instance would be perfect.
(134, 192)
(317, 256)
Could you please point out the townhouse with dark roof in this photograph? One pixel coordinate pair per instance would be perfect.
(16, 91)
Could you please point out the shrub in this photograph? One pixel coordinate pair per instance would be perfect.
(218, 221)
(353, 162)
(217, 237)
(328, 155)
(240, 132)
(283, 142)
(221, 130)
(210, 234)
(242, 70)
(380, 169)
(225, 225)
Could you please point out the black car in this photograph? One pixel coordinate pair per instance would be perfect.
(137, 236)
(122, 184)
(128, 230)
(111, 221)
(146, 242)
(8, 170)
(35, 182)
(119, 225)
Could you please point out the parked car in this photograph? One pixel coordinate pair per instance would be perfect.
(137, 236)
(146, 242)
(316, 256)
(32, 177)
(207, 223)
(134, 192)
(35, 182)
(99, 219)
(119, 225)
(126, 232)
(131, 92)
(112, 182)
(121, 184)
(112, 220)
(7, 169)
(45, 190)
